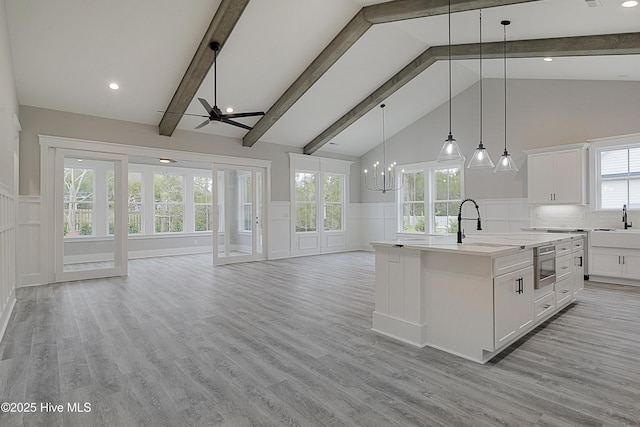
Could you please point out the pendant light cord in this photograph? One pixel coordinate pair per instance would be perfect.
(450, 67)
(384, 146)
(215, 77)
(480, 77)
(505, 23)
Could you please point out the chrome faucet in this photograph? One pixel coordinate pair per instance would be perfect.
(624, 217)
(460, 232)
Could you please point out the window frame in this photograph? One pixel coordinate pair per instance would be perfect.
(597, 179)
(429, 169)
(326, 203)
(208, 204)
(181, 204)
(313, 202)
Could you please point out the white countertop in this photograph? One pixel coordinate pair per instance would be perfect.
(479, 244)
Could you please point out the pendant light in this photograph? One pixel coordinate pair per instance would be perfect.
(384, 177)
(450, 149)
(480, 158)
(506, 163)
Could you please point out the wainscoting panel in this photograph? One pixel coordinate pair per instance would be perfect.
(28, 244)
(279, 230)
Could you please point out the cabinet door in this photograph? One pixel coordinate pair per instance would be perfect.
(540, 177)
(524, 300)
(605, 262)
(513, 305)
(630, 264)
(568, 177)
(578, 272)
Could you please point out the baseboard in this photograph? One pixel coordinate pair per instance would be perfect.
(400, 329)
(279, 254)
(6, 314)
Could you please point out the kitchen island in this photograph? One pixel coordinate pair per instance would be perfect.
(471, 299)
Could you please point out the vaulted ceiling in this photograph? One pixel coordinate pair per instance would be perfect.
(317, 67)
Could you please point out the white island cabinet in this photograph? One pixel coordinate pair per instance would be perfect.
(471, 299)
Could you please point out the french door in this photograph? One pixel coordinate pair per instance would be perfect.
(238, 214)
(90, 219)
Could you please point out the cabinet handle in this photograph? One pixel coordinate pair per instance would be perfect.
(546, 306)
(520, 288)
(623, 259)
(565, 291)
(579, 264)
(619, 260)
(564, 267)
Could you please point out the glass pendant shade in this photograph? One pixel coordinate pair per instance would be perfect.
(450, 150)
(480, 159)
(506, 164)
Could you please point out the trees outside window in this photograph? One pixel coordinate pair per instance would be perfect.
(447, 199)
(203, 202)
(412, 196)
(306, 201)
(78, 201)
(430, 197)
(168, 192)
(333, 200)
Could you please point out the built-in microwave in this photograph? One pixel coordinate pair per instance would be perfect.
(544, 263)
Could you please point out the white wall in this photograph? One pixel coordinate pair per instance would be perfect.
(39, 121)
(542, 113)
(8, 174)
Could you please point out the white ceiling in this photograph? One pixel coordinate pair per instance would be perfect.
(66, 52)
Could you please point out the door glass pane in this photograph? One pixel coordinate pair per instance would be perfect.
(237, 205)
(260, 209)
(88, 206)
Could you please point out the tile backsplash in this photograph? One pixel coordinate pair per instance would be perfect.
(576, 216)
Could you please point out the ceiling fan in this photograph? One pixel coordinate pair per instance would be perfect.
(214, 113)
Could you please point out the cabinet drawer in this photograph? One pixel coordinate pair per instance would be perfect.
(563, 248)
(508, 263)
(544, 306)
(563, 267)
(564, 293)
(577, 244)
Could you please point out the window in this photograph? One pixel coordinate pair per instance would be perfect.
(619, 180)
(412, 205)
(305, 191)
(429, 199)
(135, 203)
(246, 201)
(446, 200)
(203, 202)
(333, 188)
(168, 199)
(78, 201)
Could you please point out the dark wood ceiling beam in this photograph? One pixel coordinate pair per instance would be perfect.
(222, 24)
(400, 10)
(391, 11)
(598, 45)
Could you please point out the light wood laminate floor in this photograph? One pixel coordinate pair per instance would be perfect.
(179, 342)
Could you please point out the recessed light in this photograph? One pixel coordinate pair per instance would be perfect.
(229, 110)
(79, 160)
(114, 86)
(547, 59)
(165, 160)
(629, 3)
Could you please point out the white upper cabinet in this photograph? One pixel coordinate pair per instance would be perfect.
(558, 175)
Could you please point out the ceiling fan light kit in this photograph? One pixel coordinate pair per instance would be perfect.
(450, 149)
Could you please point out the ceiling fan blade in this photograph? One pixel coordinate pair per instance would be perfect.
(206, 105)
(237, 115)
(203, 124)
(231, 122)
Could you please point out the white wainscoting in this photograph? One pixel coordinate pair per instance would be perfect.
(30, 268)
(372, 221)
(7, 256)
(279, 230)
